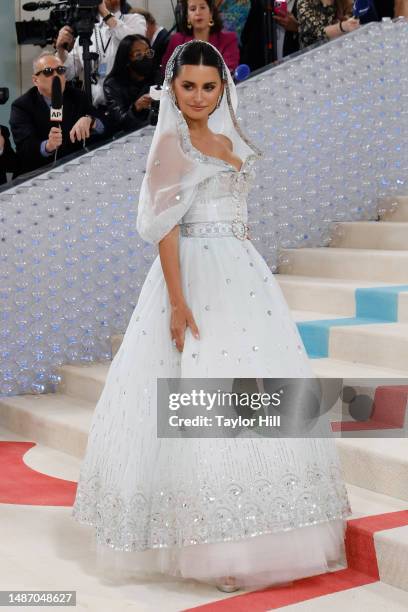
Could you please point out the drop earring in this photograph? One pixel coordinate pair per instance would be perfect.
(211, 23)
(189, 25)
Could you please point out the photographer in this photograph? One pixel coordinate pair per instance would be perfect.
(37, 139)
(112, 26)
(8, 158)
(128, 84)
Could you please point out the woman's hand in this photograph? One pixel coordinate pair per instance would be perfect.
(144, 101)
(181, 318)
(350, 24)
(288, 21)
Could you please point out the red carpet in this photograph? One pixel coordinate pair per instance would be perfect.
(362, 569)
(19, 484)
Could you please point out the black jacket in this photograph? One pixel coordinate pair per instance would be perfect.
(253, 37)
(384, 8)
(30, 125)
(120, 98)
(291, 41)
(160, 45)
(8, 160)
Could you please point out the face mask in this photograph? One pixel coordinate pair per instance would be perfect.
(142, 67)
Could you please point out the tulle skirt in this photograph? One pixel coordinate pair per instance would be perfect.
(256, 562)
(265, 511)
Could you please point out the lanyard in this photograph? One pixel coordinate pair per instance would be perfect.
(98, 33)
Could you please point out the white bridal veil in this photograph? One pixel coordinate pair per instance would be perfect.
(174, 166)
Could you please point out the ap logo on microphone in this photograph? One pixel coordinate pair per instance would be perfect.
(56, 114)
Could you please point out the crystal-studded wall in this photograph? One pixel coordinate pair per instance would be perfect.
(333, 125)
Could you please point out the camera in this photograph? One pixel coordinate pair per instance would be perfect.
(80, 15)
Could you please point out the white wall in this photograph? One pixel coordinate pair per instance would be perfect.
(161, 9)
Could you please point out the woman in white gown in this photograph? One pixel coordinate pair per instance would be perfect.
(257, 510)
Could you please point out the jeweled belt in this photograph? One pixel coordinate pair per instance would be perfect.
(215, 229)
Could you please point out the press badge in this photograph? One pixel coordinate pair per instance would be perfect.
(102, 69)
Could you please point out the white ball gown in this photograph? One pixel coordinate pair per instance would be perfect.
(265, 510)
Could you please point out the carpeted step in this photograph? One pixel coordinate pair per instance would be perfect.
(367, 264)
(55, 420)
(383, 235)
(397, 209)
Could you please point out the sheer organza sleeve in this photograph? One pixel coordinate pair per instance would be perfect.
(166, 192)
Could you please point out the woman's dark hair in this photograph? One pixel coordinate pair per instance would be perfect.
(218, 25)
(197, 53)
(120, 66)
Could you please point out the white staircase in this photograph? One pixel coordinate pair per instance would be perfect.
(318, 284)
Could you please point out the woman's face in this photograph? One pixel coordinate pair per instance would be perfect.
(198, 14)
(197, 89)
(138, 50)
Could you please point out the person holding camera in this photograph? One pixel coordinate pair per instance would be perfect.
(324, 20)
(112, 27)
(128, 84)
(37, 140)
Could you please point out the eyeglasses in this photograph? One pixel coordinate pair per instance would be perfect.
(48, 71)
(139, 56)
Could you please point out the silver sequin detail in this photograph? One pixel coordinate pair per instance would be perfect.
(275, 500)
(210, 229)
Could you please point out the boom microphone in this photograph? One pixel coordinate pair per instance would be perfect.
(56, 100)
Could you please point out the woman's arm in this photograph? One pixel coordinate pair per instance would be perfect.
(401, 8)
(348, 25)
(181, 315)
(313, 23)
